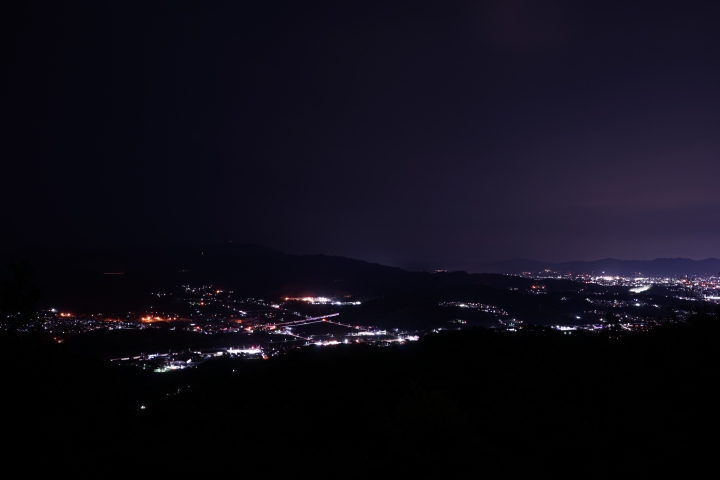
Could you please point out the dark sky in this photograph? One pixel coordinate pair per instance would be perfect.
(405, 133)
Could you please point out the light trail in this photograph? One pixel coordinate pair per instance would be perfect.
(307, 320)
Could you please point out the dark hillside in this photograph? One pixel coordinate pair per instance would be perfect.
(122, 280)
(500, 404)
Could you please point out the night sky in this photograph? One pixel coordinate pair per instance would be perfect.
(407, 133)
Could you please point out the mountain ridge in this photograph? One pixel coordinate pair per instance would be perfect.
(122, 279)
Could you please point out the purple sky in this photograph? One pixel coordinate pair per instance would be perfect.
(397, 132)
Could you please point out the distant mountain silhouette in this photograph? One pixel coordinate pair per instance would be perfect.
(608, 266)
(122, 279)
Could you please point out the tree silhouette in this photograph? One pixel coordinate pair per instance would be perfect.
(18, 299)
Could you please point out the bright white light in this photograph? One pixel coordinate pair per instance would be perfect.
(643, 288)
(249, 351)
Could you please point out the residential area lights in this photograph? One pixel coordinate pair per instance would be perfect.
(705, 287)
(209, 310)
(318, 300)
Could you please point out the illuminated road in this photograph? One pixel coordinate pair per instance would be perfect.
(307, 320)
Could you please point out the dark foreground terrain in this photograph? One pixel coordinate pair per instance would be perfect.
(468, 403)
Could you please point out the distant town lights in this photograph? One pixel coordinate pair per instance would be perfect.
(309, 299)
